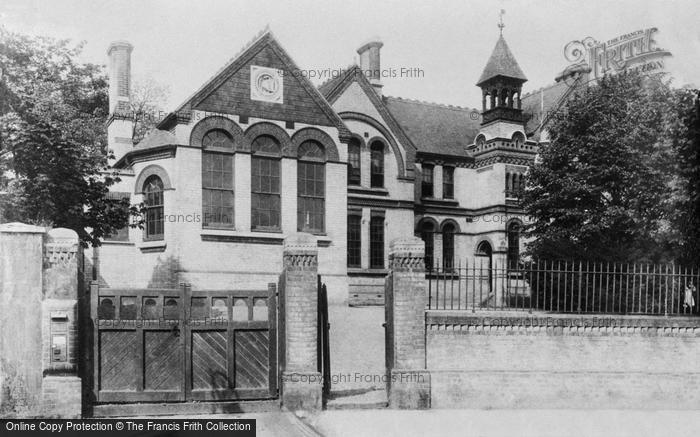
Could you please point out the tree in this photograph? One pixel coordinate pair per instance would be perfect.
(683, 115)
(607, 186)
(53, 154)
(146, 103)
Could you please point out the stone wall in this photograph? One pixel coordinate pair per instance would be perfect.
(39, 279)
(491, 360)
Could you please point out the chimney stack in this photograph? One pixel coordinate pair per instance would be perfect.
(119, 124)
(119, 53)
(370, 62)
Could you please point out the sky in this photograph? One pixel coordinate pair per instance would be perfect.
(181, 44)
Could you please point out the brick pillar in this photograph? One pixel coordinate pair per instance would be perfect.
(61, 393)
(406, 301)
(499, 262)
(301, 381)
(20, 319)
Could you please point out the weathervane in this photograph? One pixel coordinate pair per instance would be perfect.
(501, 25)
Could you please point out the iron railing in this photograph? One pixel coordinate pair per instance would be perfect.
(564, 287)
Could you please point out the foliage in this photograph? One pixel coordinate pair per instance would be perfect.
(146, 101)
(607, 187)
(53, 152)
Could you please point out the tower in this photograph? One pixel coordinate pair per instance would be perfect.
(501, 85)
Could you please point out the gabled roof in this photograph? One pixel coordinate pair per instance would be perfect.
(334, 88)
(501, 63)
(435, 128)
(156, 138)
(263, 40)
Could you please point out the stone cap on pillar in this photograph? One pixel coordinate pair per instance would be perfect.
(300, 250)
(21, 228)
(63, 236)
(407, 253)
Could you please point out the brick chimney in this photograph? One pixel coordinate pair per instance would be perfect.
(370, 62)
(119, 128)
(119, 53)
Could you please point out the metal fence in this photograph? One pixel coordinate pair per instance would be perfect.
(564, 287)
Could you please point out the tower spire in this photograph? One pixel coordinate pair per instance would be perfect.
(501, 25)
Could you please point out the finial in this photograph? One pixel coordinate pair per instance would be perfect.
(501, 25)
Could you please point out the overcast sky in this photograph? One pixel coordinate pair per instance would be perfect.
(182, 43)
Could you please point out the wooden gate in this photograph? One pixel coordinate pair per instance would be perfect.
(180, 345)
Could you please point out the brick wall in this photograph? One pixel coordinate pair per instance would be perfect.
(638, 363)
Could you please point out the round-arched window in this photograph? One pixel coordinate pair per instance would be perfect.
(217, 138)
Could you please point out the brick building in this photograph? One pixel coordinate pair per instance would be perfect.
(258, 153)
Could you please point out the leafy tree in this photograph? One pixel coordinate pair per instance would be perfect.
(683, 115)
(53, 154)
(607, 187)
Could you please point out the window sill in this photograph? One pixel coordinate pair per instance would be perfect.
(367, 272)
(218, 228)
(256, 237)
(152, 246)
(372, 191)
(435, 200)
(117, 243)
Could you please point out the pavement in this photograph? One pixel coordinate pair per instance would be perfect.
(267, 424)
(357, 355)
(506, 423)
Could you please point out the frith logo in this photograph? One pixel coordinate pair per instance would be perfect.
(633, 50)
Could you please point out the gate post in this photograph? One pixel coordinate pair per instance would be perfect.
(301, 382)
(38, 322)
(408, 381)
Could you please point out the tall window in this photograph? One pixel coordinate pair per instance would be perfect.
(427, 234)
(311, 187)
(513, 244)
(354, 172)
(427, 182)
(377, 165)
(354, 241)
(376, 242)
(448, 182)
(153, 193)
(217, 179)
(265, 184)
(448, 246)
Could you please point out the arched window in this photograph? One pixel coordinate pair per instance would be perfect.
(480, 140)
(217, 138)
(265, 183)
(153, 202)
(217, 179)
(513, 244)
(377, 165)
(311, 187)
(448, 246)
(518, 139)
(484, 249)
(427, 234)
(354, 172)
